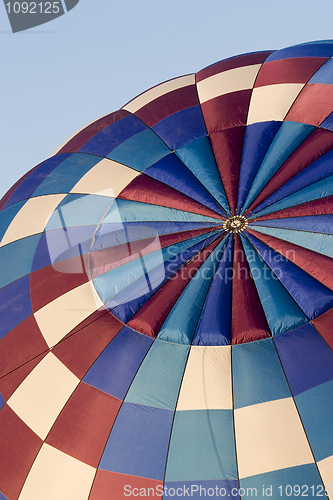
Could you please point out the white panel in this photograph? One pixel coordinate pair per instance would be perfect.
(272, 102)
(158, 91)
(57, 476)
(107, 178)
(60, 316)
(207, 379)
(43, 394)
(32, 218)
(326, 471)
(269, 437)
(227, 81)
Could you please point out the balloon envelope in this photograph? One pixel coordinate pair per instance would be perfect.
(167, 294)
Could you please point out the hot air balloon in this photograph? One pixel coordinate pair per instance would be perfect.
(167, 294)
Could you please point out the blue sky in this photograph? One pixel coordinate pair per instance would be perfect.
(60, 76)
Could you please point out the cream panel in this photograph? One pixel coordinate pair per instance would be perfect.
(269, 437)
(32, 218)
(326, 471)
(107, 178)
(57, 476)
(227, 81)
(60, 316)
(207, 379)
(158, 91)
(272, 102)
(42, 395)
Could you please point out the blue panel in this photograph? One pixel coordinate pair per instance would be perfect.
(42, 254)
(114, 369)
(78, 210)
(214, 326)
(311, 296)
(257, 374)
(16, 259)
(110, 137)
(7, 215)
(306, 358)
(301, 481)
(15, 304)
(316, 409)
(2, 497)
(313, 224)
(324, 74)
(31, 183)
(138, 442)
(140, 151)
(2, 402)
(181, 128)
(202, 446)
(215, 489)
(182, 321)
(64, 177)
(159, 377)
(281, 311)
(315, 172)
(314, 49)
(328, 123)
(257, 139)
(289, 136)
(171, 171)
(199, 159)
(315, 191)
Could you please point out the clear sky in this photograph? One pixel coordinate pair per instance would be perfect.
(60, 76)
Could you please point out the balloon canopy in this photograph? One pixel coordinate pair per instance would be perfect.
(166, 294)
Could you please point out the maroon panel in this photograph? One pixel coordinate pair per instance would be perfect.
(323, 325)
(92, 412)
(315, 146)
(311, 262)
(248, 318)
(294, 70)
(313, 105)
(24, 347)
(167, 104)
(150, 318)
(233, 62)
(321, 206)
(148, 190)
(47, 283)
(104, 260)
(74, 144)
(226, 111)
(227, 147)
(80, 348)
(9, 193)
(19, 446)
(111, 485)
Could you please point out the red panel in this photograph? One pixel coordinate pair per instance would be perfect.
(227, 147)
(294, 70)
(226, 111)
(313, 263)
(150, 318)
(248, 318)
(231, 63)
(87, 133)
(84, 425)
(18, 347)
(19, 446)
(324, 326)
(313, 105)
(110, 258)
(111, 486)
(147, 190)
(316, 207)
(80, 348)
(47, 283)
(315, 146)
(167, 104)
